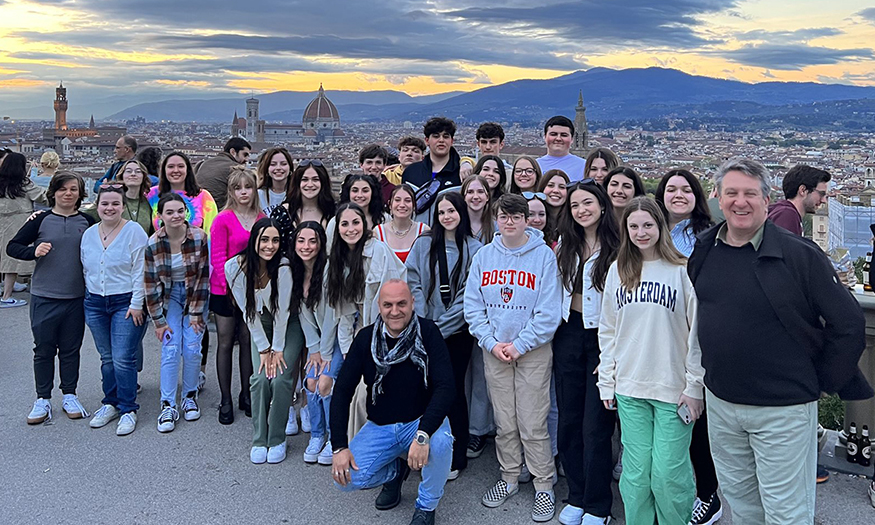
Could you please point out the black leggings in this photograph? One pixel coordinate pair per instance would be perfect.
(226, 329)
(703, 464)
(459, 345)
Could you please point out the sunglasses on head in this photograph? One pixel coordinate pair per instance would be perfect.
(585, 182)
(529, 195)
(310, 162)
(111, 186)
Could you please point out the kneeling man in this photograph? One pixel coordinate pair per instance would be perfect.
(409, 379)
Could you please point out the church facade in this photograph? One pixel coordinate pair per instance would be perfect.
(319, 123)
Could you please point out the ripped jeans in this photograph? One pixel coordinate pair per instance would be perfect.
(376, 447)
(184, 345)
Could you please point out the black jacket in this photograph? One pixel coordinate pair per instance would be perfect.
(420, 173)
(811, 304)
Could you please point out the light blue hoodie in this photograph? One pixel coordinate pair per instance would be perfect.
(514, 296)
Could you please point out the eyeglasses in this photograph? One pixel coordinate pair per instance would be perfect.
(310, 162)
(518, 217)
(529, 195)
(527, 171)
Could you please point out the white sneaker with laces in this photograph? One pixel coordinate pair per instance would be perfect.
(73, 408)
(571, 515)
(311, 454)
(104, 415)
(167, 419)
(258, 455)
(305, 420)
(276, 454)
(12, 302)
(41, 411)
(190, 410)
(292, 425)
(126, 424)
(326, 457)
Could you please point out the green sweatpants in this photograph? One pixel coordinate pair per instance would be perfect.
(657, 483)
(271, 398)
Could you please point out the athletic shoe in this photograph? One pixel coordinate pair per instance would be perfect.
(126, 424)
(311, 454)
(104, 415)
(422, 517)
(201, 381)
(498, 494)
(258, 455)
(190, 409)
(525, 476)
(618, 468)
(390, 495)
(17, 287)
(589, 519)
(41, 411)
(305, 420)
(707, 512)
(571, 515)
(12, 302)
(822, 474)
(276, 454)
(167, 419)
(453, 475)
(292, 425)
(544, 506)
(326, 456)
(476, 444)
(73, 408)
(872, 493)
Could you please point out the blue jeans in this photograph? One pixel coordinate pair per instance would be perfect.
(376, 447)
(116, 339)
(318, 405)
(184, 345)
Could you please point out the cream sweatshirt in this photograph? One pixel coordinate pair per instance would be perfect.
(649, 346)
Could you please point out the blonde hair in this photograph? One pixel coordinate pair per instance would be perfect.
(50, 160)
(629, 258)
(241, 177)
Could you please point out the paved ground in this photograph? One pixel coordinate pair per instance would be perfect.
(65, 472)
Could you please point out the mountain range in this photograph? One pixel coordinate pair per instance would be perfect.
(609, 94)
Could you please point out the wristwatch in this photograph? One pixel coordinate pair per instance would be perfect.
(421, 438)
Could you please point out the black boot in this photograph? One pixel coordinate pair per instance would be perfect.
(243, 401)
(422, 517)
(390, 496)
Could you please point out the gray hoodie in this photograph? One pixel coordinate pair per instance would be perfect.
(420, 275)
(514, 296)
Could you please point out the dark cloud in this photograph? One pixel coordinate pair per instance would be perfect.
(793, 56)
(868, 14)
(799, 35)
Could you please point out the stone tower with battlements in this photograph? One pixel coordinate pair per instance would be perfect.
(61, 107)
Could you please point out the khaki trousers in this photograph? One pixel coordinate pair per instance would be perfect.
(520, 394)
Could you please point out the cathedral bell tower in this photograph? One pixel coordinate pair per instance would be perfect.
(581, 132)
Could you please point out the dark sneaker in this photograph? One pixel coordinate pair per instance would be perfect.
(822, 474)
(476, 444)
(390, 496)
(707, 512)
(422, 517)
(498, 494)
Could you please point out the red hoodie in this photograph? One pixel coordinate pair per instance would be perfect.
(785, 215)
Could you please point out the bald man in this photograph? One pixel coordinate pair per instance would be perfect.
(406, 368)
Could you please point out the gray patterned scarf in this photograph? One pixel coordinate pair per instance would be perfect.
(409, 345)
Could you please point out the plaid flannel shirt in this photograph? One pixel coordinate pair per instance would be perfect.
(196, 257)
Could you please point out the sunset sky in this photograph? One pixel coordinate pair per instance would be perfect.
(158, 49)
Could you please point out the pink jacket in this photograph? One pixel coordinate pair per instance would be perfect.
(227, 238)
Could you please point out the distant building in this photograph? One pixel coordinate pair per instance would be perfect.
(850, 217)
(580, 147)
(54, 138)
(320, 123)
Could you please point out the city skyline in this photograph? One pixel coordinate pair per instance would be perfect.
(158, 50)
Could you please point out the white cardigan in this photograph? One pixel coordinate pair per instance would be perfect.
(237, 284)
(118, 268)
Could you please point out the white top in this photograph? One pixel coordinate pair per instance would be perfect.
(319, 326)
(118, 268)
(270, 200)
(571, 165)
(237, 284)
(177, 268)
(592, 298)
(649, 346)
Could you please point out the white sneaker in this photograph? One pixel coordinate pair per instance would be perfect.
(305, 420)
(571, 515)
(326, 457)
(258, 455)
(104, 415)
(168, 417)
(276, 454)
(190, 409)
(589, 519)
(41, 411)
(19, 287)
(311, 454)
(453, 475)
(292, 425)
(126, 424)
(12, 302)
(73, 408)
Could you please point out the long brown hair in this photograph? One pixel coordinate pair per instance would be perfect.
(487, 225)
(146, 185)
(629, 258)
